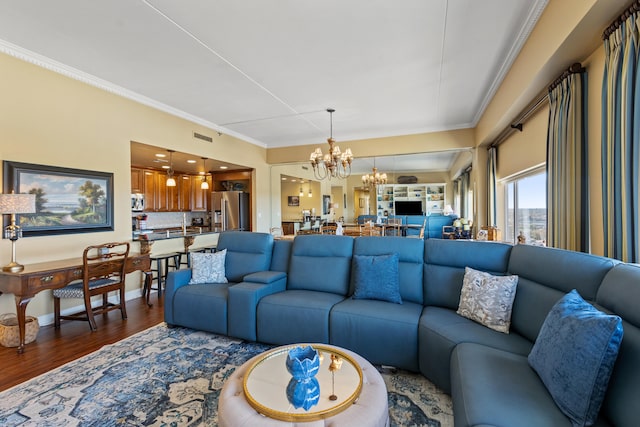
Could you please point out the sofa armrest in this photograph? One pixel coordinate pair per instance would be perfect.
(243, 304)
(175, 280)
(265, 277)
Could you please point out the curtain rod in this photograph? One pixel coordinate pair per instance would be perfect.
(633, 8)
(573, 69)
(541, 100)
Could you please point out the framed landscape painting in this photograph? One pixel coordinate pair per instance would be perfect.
(67, 200)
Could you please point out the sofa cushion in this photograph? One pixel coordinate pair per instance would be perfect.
(202, 307)
(410, 261)
(376, 277)
(574, 356)
(321, 262)
(208, 268)
(295, 316)
(440, 330)
(487, 299)
(492, 387)
(445, 261)
(382, 332)
(247, 252)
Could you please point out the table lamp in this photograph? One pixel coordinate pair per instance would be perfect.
(15, 204)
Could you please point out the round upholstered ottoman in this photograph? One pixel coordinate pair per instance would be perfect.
(370, 409)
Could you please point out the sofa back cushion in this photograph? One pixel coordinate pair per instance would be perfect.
(619, 293)
(410, 260)
(321, 262)
(547, 274)
(281, 255)
(445, 261)
(247, 252)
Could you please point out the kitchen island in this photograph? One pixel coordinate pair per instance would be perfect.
(147, 238)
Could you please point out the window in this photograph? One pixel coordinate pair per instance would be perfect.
(526, 207)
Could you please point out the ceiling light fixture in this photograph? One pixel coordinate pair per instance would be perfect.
(375, 179)
(171, 181)
(204, 184)
(310, 193)
(333, 164)
(301, 192)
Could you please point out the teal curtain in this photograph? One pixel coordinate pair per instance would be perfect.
(567, 174)
(620, 146)
(491, 186)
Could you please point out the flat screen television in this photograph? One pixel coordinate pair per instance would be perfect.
(409, 207)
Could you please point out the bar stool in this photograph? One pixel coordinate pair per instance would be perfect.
(162, 267)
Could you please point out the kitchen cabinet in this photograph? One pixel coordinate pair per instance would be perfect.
(184, 197)
(200, 197)
(150, 188)
(184, 191)
(137, 180)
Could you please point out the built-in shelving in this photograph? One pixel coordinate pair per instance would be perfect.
(431, 196)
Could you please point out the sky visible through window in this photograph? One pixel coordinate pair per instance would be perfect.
(532, 192)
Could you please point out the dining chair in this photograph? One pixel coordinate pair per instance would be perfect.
(370, 230)
(393, 227)
(276, 232)
(328, 229)
(103, 271)
(420, 235)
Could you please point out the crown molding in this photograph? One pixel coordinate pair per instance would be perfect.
(530, 22)
(75, 74)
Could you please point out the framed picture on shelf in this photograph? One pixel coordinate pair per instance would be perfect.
(293, 200)
(67, 200)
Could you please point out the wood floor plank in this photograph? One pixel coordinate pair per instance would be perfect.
(74, 339)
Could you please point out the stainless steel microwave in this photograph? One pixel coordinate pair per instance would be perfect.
(137, 202)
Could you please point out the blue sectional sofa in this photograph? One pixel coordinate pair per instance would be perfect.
(284, 292)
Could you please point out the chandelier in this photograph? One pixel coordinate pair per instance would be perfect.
(334, 164)
(376, 178)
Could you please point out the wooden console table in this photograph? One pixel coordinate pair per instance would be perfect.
(38, 277)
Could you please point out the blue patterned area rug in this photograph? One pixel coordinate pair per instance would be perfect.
(172, 377)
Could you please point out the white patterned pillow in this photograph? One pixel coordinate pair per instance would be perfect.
(488, 299)
(208, 268)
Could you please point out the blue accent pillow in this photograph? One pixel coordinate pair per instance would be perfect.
(574, 356)
(376, 277)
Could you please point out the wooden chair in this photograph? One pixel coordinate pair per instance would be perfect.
(276, 232)
(393, 227)
(328, 229)
(422, 229)
(103, 271)
(370, 230)
(351, 231)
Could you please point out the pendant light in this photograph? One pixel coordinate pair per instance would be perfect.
(204, 185)
(334, 164)
(171, 181)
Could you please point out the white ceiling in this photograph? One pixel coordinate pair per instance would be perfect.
(266, 70)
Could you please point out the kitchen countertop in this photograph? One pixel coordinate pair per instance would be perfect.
(172, 233)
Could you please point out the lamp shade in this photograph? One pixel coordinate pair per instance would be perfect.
(17, 203)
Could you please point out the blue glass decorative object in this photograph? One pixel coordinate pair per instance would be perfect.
(303, 394)
(303, 362)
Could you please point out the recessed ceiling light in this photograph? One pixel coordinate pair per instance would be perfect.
(284, 178)
(293, 180)
(161, 155)
(191, 161)
(201, 172)
(165, 166)
(224, 167)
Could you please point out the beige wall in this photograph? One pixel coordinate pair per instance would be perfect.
(49, 119)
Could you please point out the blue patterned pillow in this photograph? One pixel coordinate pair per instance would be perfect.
(208, 268)
(574, 355)
(376, 277)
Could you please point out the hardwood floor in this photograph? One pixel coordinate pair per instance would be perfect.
(74, 339)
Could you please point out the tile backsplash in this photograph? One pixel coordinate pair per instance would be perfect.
(171, 219)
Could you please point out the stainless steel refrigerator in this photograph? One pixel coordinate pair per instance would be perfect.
(230, 210)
